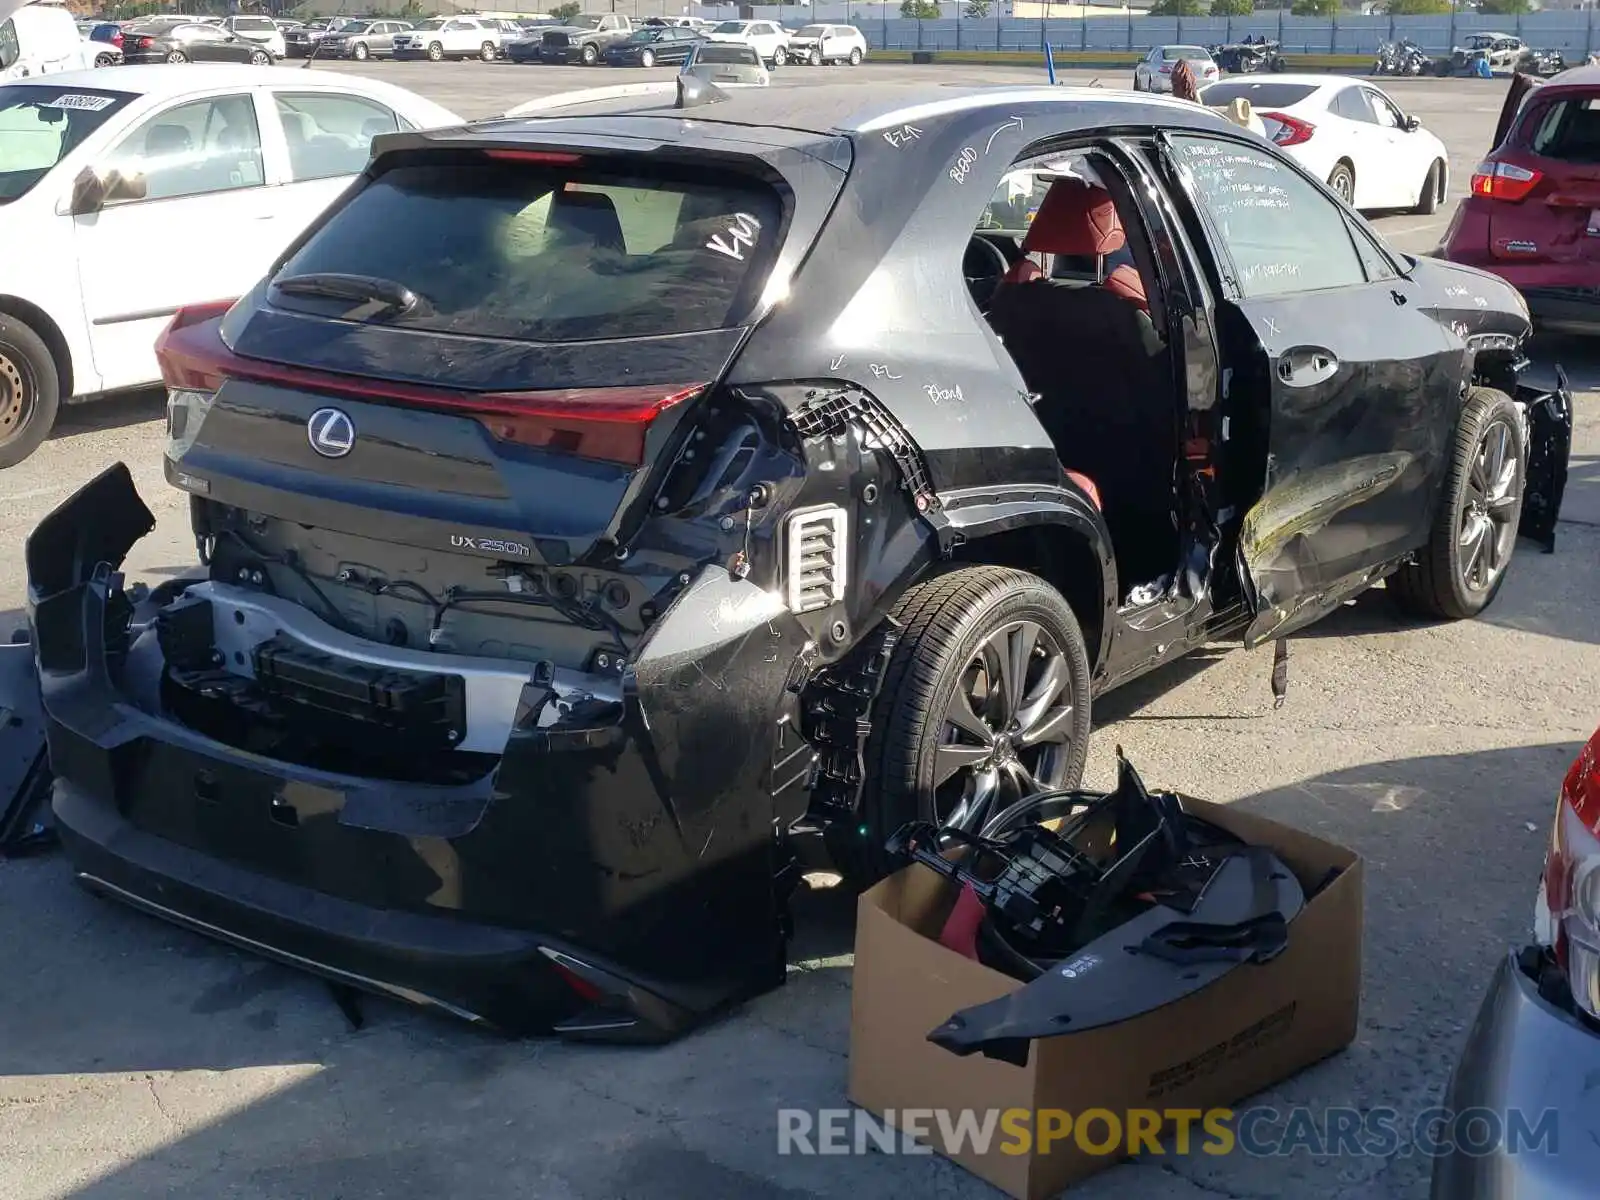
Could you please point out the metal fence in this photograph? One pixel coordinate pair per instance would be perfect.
(1573, 32)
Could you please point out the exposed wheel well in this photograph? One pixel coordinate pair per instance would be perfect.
(1060, 557)
(39, 321)
(1442, 179)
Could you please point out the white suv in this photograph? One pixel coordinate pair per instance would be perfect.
(439, 38)
(770, 39)
(818, 44)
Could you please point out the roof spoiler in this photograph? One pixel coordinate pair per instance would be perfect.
(687, 91)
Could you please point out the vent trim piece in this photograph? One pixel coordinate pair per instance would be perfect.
(817, 533)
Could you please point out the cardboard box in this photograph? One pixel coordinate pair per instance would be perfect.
(1254, 1027)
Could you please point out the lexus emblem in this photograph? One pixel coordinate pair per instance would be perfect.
(331, 432)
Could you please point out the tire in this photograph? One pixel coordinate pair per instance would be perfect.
(856, 56)
(104, 60)
(30, 391)
(780, 57)
(1428, 201)
(646, 58)
(177, 56)
(1342, 182)
(946, 625)
(815, 58)
(1455, 579)
(359, 52)
(590, 54)
(260, 58)
(435, 52)
(486, 52)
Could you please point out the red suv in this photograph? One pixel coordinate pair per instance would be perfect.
(1533, 215)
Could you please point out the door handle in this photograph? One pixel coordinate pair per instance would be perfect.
(1307, 366)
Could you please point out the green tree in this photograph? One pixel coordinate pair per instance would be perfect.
(565, 12)
(1178, 8)
(1315, 8)
(1232, 8)
(1505, 8)
(919, 10)
(1418, 8)
(976, 10)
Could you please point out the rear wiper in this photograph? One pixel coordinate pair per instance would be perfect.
(388, 297)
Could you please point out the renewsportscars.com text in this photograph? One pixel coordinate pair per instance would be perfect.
(1259, 1132)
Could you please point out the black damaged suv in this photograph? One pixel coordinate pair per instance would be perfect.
(604, 511)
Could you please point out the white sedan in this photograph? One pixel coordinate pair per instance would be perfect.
(1349, 133)
(127, 194)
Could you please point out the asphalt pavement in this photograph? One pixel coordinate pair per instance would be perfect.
(137, 1060)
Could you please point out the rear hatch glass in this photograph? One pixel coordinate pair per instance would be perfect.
(545, 252)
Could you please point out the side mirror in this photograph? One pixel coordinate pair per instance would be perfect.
(1413, 124)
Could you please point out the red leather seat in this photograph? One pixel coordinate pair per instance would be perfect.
(1079, 220)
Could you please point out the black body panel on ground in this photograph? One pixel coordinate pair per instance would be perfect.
(616, 555)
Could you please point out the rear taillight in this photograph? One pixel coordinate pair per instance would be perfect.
(1567, 918)
(116, 40)
(1167, 70)
(1503, 181)
(1291, 131)
(610, 424)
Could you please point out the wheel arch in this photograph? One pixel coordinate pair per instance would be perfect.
(1063, 541)
(49, 332)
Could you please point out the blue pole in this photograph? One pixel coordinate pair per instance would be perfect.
(1050, 63)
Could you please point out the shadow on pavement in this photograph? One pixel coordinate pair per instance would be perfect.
(110, 412)
(413, 1106)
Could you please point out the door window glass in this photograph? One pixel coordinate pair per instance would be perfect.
(196, 148)
(1351, 104)
(1385, 113)
(330, 134)
(1282, 232)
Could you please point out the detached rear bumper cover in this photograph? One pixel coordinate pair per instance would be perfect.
(602, 881)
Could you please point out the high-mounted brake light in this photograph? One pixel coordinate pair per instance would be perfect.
(1567, 918)
(610, 424)
(1291, 131)
(546, 158)
(1503, 181)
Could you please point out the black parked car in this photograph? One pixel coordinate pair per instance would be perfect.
(194, 42)
(651, 45)
(774, 497)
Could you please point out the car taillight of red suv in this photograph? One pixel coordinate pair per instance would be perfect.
(1567, 916)
(1532, 215)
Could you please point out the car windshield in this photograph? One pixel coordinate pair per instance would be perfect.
(1175, 53)
(584, 23)
(39, 126)
(432, 23)
(812, 31)
(730, 27)
(552, 255)
(1261, 95)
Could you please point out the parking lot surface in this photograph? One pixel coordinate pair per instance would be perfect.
(138, 1060)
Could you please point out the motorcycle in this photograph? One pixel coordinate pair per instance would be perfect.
(1400, 58)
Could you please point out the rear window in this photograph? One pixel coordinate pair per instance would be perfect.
(537, 253)
(726, 52)
(812, 31)
(1175, 53)
(254, 24)
(1260, 95)
(1568, 130)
